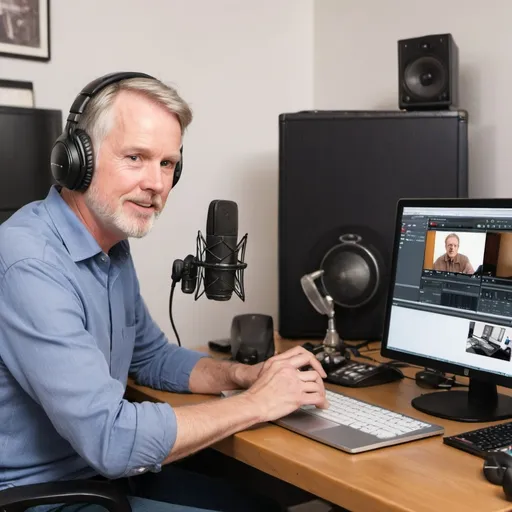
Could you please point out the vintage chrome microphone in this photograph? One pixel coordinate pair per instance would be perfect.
(325, 306)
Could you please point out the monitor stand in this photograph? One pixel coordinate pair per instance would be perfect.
(481, 402)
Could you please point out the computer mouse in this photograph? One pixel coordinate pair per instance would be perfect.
(433, 380)
(252, 338)
(496, 465)
(507, 484)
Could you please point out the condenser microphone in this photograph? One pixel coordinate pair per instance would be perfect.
(219, 261)
(221, 255)
(218, 265)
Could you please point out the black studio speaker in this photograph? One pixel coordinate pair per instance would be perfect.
(428, 69)
(340, 177)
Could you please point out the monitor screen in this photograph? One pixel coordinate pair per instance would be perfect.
(450, 303)
(26, 139)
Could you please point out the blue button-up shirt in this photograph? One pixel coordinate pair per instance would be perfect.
(73, 326)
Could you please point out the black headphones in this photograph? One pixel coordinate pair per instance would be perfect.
(72, 157)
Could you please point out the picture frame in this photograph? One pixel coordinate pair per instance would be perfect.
(17, 93)
(25, 29)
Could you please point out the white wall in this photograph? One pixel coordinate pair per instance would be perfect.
(356, 67)
(239, 64)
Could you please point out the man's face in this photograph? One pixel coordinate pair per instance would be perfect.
(452, 247)
(135, 167)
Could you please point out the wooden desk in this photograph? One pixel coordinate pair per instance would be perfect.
(419, 476)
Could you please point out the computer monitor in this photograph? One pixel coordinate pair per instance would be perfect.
(26, 140)
(449, 306)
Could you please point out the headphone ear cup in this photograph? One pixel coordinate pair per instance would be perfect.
(72, 160)
(86, 151)
(178, 169)
(61, 160)
(177, 174)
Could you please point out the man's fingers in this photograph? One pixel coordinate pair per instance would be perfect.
(317, 399)
(299, 357)
(315, 363)
(307, 359)
(310, 376)
(313, 387)
(290, 353)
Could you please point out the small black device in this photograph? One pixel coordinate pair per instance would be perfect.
(341, 370)
(252, 338)
(434, 379)
(482, 441)
(428, 69)
(497, 470)
(72, 156)
(354, 374)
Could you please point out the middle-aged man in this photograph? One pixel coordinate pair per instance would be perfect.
(452, 260)
(73, 324)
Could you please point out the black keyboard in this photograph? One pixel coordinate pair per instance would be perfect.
(483, 440)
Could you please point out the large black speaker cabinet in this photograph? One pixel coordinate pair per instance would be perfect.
(428, 72)
(340, 177)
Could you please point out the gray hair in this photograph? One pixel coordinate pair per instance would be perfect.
(452, 235)
(97, 118)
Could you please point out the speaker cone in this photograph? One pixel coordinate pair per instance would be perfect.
(351, 272)
(425, 77)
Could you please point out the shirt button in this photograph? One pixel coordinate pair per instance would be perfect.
(141, 470)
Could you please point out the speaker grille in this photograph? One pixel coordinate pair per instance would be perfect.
(426, 78)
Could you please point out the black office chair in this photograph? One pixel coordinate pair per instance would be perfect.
(18, 499)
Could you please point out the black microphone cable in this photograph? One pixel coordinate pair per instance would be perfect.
(171, 296)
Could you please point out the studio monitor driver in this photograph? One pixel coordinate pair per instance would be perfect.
(428, 70)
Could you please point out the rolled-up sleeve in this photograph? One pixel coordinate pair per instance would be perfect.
(156, 363)
(48, 350)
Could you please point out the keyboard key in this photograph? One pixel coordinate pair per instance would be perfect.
(371, 419)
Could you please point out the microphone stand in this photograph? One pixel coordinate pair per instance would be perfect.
(332, 353)
(332, 340)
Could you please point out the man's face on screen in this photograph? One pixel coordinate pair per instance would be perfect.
(452, 247)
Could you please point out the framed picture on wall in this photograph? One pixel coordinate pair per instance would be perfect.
(25, 29)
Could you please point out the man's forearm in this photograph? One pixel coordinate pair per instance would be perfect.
(213, 376)
(203, 424)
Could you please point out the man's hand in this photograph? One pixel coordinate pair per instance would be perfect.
(282, 388)
(246, 375)
(277, 387)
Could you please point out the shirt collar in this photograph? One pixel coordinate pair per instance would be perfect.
(78, 241)
(455, 260)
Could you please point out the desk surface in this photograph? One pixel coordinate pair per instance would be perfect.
(424, 475)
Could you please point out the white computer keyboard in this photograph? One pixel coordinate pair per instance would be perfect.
(359, 415)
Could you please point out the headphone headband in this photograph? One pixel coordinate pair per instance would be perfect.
(72, 158)
(93, 88)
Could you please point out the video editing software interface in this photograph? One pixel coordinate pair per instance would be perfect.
(452, 298)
